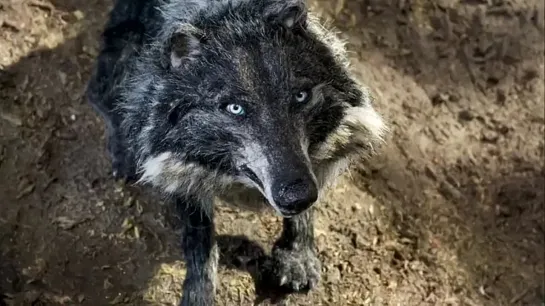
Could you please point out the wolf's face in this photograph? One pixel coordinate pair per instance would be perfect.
(259, 98)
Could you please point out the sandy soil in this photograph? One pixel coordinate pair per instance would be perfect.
(450, 214)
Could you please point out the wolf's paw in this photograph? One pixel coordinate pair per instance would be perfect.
(298, 270)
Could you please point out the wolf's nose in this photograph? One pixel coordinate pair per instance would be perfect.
(296, 196)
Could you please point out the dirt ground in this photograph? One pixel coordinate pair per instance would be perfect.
(451, 212)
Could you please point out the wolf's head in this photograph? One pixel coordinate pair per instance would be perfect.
(254, 92)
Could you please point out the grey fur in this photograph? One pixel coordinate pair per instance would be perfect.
(166, 72)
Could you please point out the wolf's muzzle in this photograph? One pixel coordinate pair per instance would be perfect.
(296, 195)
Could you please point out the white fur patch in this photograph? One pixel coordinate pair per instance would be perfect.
(365, 118)
(328, 172)
(327, 35)
(212, 266)
(256, 160)
(172, 175)
(361, 129)
(362, 125)
(153, 167)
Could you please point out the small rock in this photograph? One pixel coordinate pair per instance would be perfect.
(333, 276)
(90, 51)
(502, 211)
(65, 222)
(11, 118)
(489, 137)
(26, 190)
(81, 298)
(66, 135)
(78, 14)
(62, 77)
(107, 284)
(128, 202)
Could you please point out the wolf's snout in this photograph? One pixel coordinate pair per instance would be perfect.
(295, 196)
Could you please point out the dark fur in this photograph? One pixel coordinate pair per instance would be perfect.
(162, 80)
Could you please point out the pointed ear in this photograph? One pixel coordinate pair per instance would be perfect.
(184, 45)
(288, 13)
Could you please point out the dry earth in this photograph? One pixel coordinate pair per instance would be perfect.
(451, 213)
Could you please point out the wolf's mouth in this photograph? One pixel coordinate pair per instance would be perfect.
(251, 175)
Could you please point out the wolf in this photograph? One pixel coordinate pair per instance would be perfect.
(247, 101)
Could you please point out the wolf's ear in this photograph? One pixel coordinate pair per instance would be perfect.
(288, 13)
(184, 45)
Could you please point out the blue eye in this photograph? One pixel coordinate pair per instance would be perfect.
(301, 96)
(236, 109)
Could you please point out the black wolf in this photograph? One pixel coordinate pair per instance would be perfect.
(250, 101)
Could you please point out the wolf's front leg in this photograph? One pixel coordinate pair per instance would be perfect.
(200, 252)
(295, 264)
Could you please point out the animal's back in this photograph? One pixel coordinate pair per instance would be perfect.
(129, 27)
